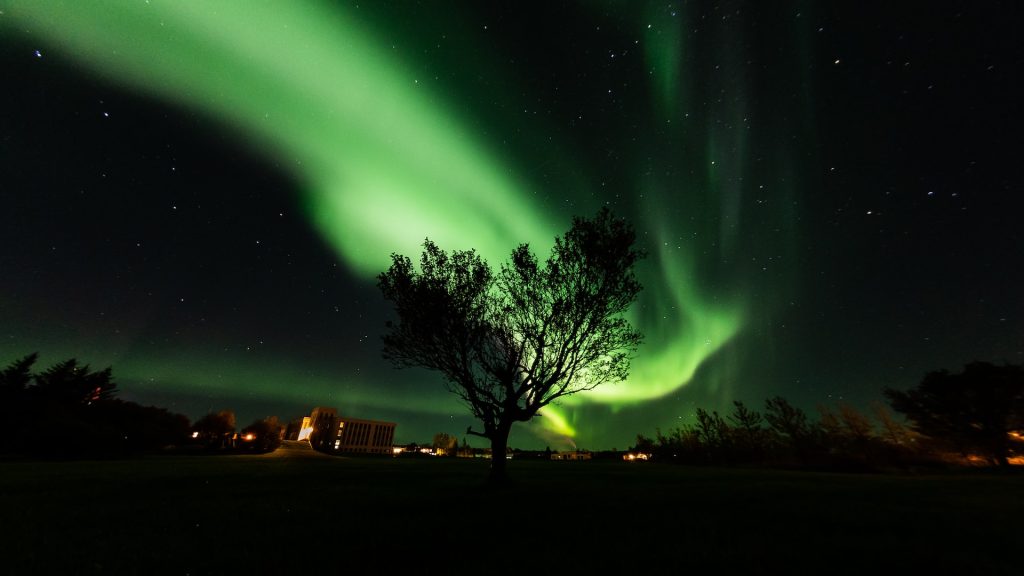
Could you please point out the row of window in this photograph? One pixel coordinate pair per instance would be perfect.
(360, 434)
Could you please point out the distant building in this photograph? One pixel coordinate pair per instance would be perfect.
(574, 455)
(328, 432)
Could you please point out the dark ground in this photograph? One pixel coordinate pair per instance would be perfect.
(263, 514)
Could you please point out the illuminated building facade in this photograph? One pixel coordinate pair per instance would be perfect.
(328, 432)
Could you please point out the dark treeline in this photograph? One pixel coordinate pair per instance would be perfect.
(783, 435)
(70, 410)
(975, 417)
(216, 432)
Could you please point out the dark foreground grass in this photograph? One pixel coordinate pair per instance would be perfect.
(258, 515)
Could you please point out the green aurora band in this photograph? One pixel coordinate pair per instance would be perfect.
(383, 161)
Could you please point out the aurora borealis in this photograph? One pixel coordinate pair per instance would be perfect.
(200, 194)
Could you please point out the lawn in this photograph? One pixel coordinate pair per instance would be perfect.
(252, 514)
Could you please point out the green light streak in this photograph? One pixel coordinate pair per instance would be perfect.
(385, 165)
(554, 420)
(383, 161)
(681, 331)
(663, 50)
(270, 379)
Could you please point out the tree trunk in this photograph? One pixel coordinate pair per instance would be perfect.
(499, 451)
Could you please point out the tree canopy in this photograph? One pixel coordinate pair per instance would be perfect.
(70, 410)
(510, 343)
(973, 411)
(215, 428)
(262, 436)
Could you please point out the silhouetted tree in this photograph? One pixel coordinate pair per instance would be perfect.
(216, 428)
(15, 378)
(69, 410)
(262, 435)
(714, 435)
(786, 419)
(845, 438)
(790, 425)
(681, 444)
(643, 444)
(973, 411)
(510, 344)
(829, 424)
(68, 383)
(894, 433)
(66, 413)
(749, 437)
(15, 409)
(127, 427)
(856, 425)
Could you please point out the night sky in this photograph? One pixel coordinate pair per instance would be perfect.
(200, 194)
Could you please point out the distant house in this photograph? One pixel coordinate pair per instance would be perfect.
(328, 432)
(574, 455)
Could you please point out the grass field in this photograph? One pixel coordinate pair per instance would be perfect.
(259, 515)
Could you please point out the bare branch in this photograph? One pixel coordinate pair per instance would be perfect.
(509, 344)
